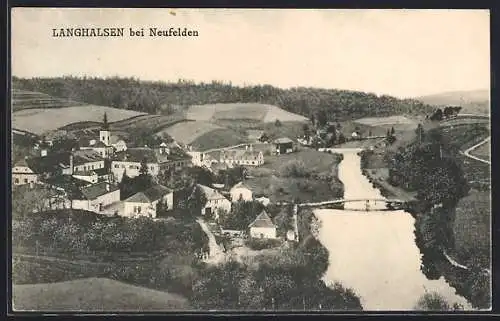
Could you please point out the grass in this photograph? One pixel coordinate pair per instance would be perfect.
(483, 151)
(472, 227)
(241, 111)
(187, 131)
(93, 294)
(219, 138)
(39, 121)
(400, 123)
(22, 100)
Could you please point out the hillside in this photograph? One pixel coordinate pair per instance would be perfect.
(241, 111)
(473, 101)
(93, 295)
(155, 97)
(22, 99)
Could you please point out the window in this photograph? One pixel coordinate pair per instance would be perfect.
(25, 181)
(117, 166)
(92, 166)
(253, 163)
(131, 167)
(16, 181)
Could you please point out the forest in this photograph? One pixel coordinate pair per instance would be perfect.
(170, 97)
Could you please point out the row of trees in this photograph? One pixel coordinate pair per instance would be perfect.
(447, 112)
(155, 97)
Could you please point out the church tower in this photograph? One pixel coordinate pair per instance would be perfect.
(104, 134)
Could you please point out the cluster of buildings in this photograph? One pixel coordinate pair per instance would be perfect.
(87, 177)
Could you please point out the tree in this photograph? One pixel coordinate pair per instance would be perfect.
(341, 138)
(196, 200)
(432, 302)
(321, 118)
(277, 123)
(392, 131)
(305, 129)
(144, 167)
(420, 133)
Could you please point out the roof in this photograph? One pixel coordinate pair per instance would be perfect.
(95, 190)
(137, 155)
(240, 185)
(50, 163)
(150, 195)
(262, 220)
(81, 157)
(210, 193)
(284, 140)
(115, 139)
(66, 182)
(101, 171)
(240, 154)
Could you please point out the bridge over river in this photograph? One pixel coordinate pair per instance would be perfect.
(361, 204)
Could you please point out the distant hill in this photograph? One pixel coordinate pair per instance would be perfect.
(472, 101)
(93, 295)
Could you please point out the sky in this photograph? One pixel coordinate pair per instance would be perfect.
(403, 53)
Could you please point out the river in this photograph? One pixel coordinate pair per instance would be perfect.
(374, 253)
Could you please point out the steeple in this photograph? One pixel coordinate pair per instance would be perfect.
(105, 125)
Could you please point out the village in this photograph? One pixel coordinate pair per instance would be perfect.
(95, 175)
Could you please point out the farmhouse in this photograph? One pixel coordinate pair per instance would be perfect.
(84, 160)
(23, 174)
(145, 203)
(283, 145)
(240, 191)
(95, 197)
(215, 201)
(129, 161)
(243, 157)
(262, 227)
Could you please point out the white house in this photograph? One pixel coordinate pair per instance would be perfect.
(130, 160)
(215, 201)
(85, 160)
(95, 197)
(241, 191)
(262, 227)
(244, 157)
(145, 203)
(23, 174)
(118, 144)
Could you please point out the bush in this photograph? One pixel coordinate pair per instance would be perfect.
(262, 244)
(294, 168)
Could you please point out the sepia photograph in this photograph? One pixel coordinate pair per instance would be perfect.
(243, 160)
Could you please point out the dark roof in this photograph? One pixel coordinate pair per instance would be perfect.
(95, 190)
(263, 220)
(150, 195)
(50, 163)
(81, 157)
(66, 182)
(284, 140)
(101, 171)
(137, 155)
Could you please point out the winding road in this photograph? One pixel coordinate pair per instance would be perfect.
(216, 254)
(468, 150)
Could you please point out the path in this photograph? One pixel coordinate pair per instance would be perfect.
(216, 254)
(461, 266)
(468, 150)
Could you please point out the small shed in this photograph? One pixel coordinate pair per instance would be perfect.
(283, 145)
(262, 227)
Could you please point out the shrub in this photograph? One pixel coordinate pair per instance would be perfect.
(261, 244)
(294, 168)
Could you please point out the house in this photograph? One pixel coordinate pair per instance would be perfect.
(263, 200)
(242, 157)
(118, 143)
(129, 161)
(355, 135)
(95, 197)
(283, 145)
(84, 160)
(23, 174)
(144, 203)
(49, 165)
(241, 191)
(262, 227)
(95, 175)
(172, 157)
(215, 201)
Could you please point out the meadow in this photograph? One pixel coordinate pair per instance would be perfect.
(92, 295)
(186, 132)
(39, 121)
(22, 99)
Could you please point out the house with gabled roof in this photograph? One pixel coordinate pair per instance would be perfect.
(241, 191)
(129, 161)
(283, 145)
(262, 227)
(215, 201)
(23, 174)
(95, 197)
(145, 203)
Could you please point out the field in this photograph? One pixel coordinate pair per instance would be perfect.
(188, 131)
(483, 151)
(93, 294)
(22, 99)
(398, 122)
(218, 138)
(473, 101)
(267, 179)
(472, 227)
(251, 111)
(39, 121)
